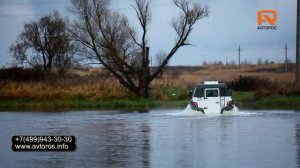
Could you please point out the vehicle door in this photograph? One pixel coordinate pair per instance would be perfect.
(212, 100)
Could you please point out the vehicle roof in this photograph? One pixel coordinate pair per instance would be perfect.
(219, 85)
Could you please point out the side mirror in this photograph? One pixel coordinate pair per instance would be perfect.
(191, 93)
(230, 92)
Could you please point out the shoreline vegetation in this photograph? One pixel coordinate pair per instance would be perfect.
(244, 100)
(97, 90)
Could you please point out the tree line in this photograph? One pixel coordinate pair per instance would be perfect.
(104, 36)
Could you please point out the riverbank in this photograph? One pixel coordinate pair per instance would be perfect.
(258, 85)
(117, 104)
(248, 100)
(244, 100)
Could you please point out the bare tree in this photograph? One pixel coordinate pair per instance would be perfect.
(108, 38)
(44, 43)
(259, 61)
(160, 57)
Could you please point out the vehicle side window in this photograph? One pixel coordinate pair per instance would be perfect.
(212, 93)
(225, 92)
(199, 92)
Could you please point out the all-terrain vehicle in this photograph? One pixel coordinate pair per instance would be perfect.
(212, 97)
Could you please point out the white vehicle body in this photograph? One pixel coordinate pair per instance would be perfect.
(212, 97)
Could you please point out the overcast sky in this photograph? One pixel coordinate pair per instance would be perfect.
(231, 23)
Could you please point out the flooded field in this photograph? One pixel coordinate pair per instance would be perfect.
(157, 138)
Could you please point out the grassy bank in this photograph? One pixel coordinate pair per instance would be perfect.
(116, 104)
(107, 93)
(249, 100)
(244, 100)
(91, 94)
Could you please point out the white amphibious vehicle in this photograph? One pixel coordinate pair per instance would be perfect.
(212, 97)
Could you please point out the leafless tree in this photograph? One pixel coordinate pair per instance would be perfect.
(44, 43)
(160, 57)
(259, 61)
(108, 38)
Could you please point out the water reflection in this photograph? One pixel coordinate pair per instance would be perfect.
(298, 143)
(117, 143)
(137, 140)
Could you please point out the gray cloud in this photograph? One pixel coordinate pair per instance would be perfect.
(231, 22)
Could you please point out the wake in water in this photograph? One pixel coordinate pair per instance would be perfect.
(189, 112)
(186, 112)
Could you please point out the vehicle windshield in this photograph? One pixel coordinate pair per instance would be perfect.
(224, 90)
(212, 93)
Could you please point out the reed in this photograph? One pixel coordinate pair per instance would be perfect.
(46, 91)
(91, 89)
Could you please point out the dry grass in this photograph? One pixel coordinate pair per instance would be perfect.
(187, 78)
(52, 91)
(273, 72)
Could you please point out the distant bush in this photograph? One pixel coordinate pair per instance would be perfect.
(285, 90)
(20, 74)
(264, 87)
(159, 95)
(289, 91)
(248, 83)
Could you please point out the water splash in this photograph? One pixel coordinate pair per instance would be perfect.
(188, 112)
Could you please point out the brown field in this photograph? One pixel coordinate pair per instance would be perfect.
(274, 72)
(187, 76)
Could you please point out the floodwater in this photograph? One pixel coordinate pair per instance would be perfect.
(157, 138)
